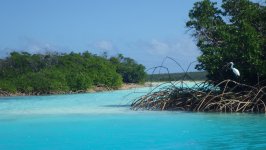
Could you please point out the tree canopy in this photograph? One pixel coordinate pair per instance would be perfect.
(128, 68)
(233, 32)
(53, 72)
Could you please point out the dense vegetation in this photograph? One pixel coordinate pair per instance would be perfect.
(197, 76)
(234, 32)
(130, 71)
(52, 73)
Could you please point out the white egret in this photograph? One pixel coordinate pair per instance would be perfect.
(235, 71)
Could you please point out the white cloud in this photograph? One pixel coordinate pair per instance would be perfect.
(32, 46)
(179, 48)
(183, 50)
(4, 52)
(104, 45)
(100, 46)
(158, 47)
(36, 46)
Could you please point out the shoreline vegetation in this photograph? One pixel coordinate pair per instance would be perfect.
(22, 73)
(25, 74)
(153, 80)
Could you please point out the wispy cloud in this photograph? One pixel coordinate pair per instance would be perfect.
(101, 46)
(4, 52)
(104, 45)
(33, 46)
(36, 46)
(153, 52)
(157, 47)
(177, 48)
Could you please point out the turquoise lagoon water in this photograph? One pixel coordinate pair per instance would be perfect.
(105, 121)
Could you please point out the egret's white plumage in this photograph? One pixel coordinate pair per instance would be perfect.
(235, 71)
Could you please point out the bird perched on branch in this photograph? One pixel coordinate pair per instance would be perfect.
(235, 71)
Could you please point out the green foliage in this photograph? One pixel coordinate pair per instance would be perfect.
(129, 69)
(6, 85)
(43, 82)
(78, 81)
(53, 72)
(236, 32)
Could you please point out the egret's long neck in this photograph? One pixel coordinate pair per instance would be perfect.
(232, 66)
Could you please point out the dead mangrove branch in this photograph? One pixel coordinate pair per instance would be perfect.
(227, 96)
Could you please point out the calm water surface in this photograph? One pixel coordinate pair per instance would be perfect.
(104, 121)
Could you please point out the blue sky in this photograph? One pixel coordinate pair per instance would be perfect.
(146, 30)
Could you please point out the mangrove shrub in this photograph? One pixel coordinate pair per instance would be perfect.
(233, 32)
(53, 72)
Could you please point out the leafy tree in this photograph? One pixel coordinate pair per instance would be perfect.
(129, 69)
(234, 32)
(78, 81)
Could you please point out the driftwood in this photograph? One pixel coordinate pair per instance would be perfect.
(204, 97)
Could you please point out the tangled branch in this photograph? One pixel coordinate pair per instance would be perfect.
(205, 97)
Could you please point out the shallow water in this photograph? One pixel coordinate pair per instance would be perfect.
(105, 121)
